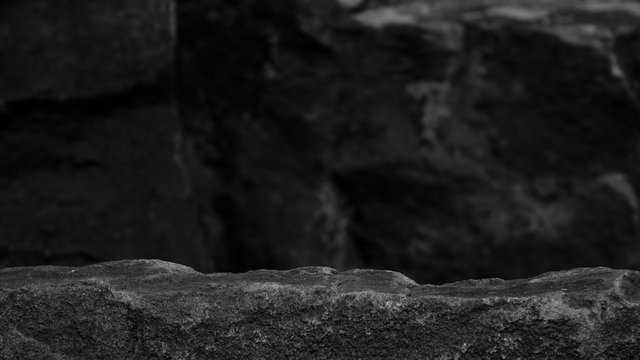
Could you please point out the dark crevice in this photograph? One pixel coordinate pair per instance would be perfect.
(135, 97)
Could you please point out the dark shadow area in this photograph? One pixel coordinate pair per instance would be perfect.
(466, 141)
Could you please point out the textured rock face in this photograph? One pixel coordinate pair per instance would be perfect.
(441, 139)
(146, 309)
(68, 49)
(93, 163)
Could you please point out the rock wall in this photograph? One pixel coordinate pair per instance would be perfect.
(93, 160)
(446, 140)
(159, 310)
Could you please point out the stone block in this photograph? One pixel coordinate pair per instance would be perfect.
(149, 309)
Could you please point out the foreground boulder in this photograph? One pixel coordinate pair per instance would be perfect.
(149, 309)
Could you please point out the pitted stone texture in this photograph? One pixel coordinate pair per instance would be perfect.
(70, 49)
(149, 309)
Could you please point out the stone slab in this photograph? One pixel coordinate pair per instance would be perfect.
(150, 309)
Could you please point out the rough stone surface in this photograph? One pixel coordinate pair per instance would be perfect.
(149, 309)
(442, 139)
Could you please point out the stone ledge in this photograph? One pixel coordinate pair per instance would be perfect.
(149, 309)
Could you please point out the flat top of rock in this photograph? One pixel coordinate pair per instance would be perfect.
(320, 303)
(157, 277)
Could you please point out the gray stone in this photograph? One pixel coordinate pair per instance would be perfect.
(442, 139)
(149, 309)
(94, 163)
(69, 49)
(103, 181)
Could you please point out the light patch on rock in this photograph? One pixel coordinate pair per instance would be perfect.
(517, 13)
(620, 184)
(618, 72)
(151, 264)
(390, 302)
(393, 306)
(632, 8)
(401, 279)
(315, 270)
(396, 277)
(409, 14)
(259, 336)
(102, 281)
(446, 33)
(582, 34)
(270, 289)
(234, 332)
(436, 110)
(616, 69)
(552, 276)
(167, 265)
(313, 321)
(128, 297)
(426, 320)
(553, 308)
(263, 286)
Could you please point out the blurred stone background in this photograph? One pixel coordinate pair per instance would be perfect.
(442, 139)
